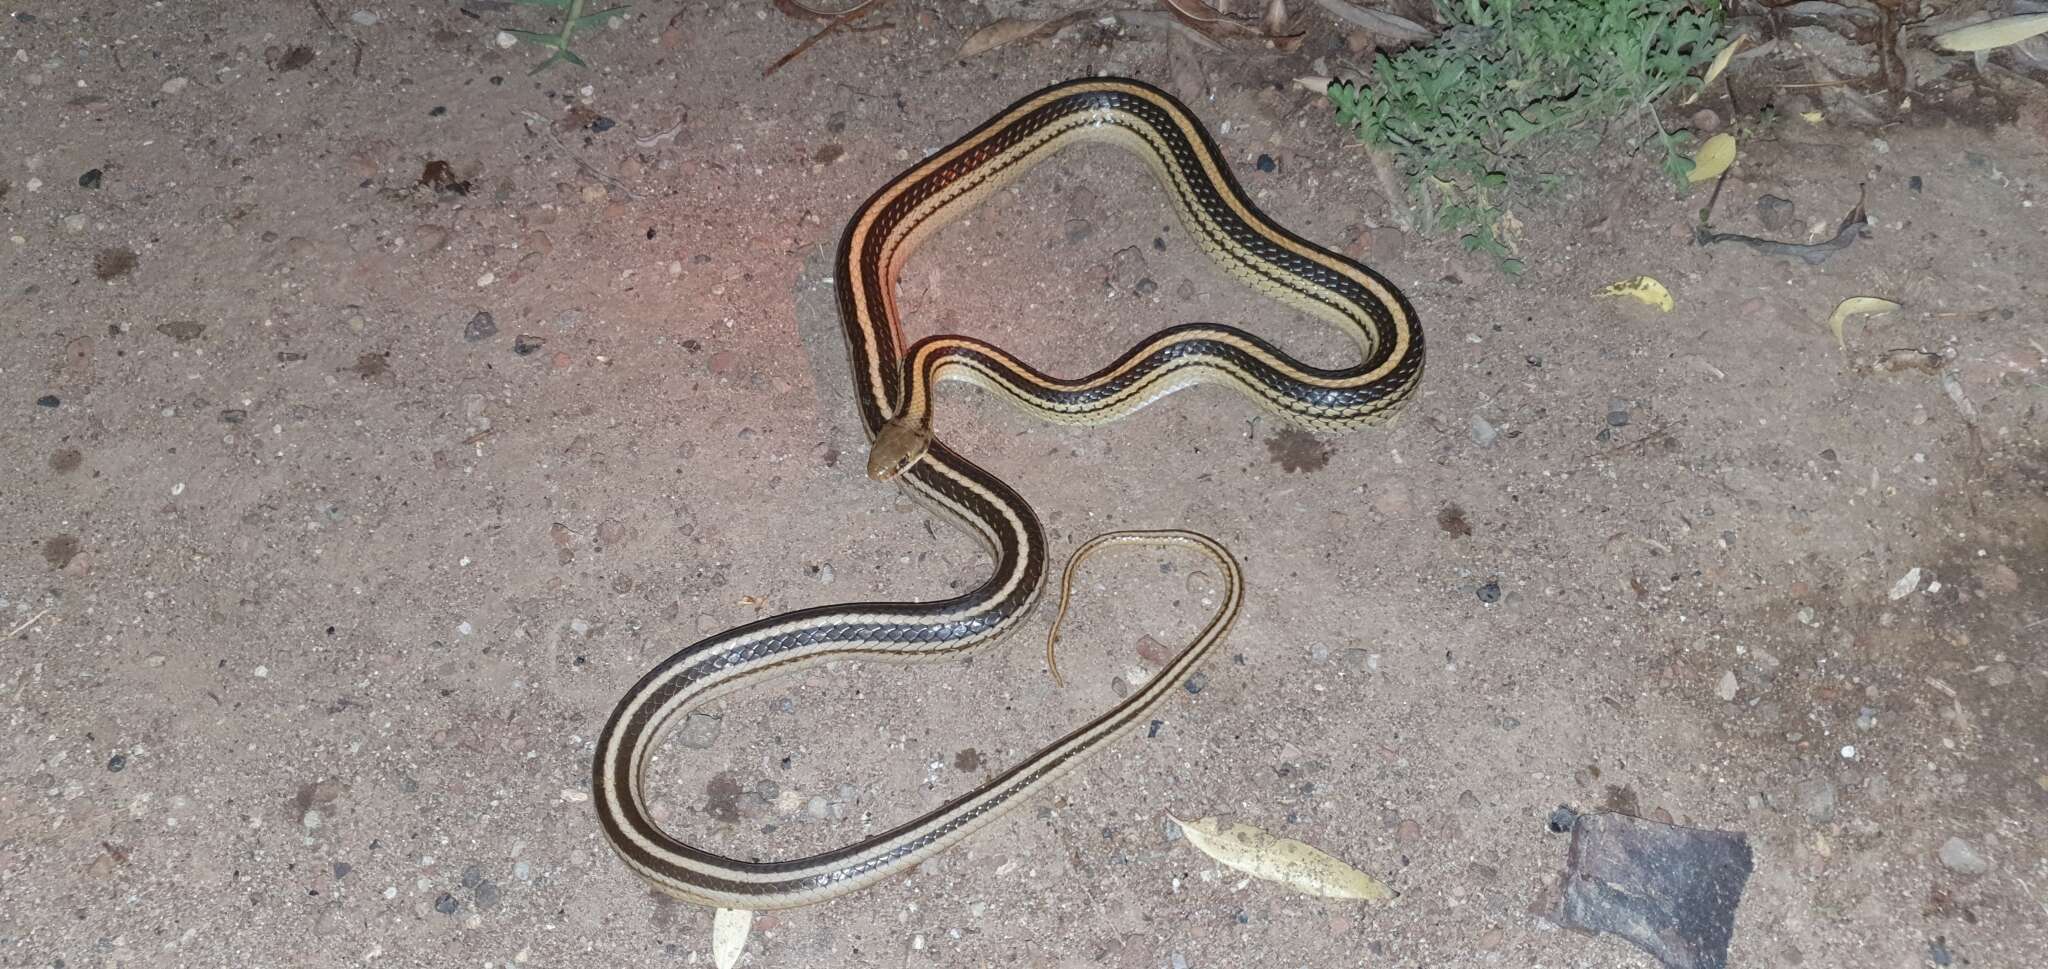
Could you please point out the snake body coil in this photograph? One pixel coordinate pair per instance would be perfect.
(893, 389)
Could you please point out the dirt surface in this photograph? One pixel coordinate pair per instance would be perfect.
(377, 413)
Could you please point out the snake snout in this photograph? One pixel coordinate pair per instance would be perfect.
(898, 445)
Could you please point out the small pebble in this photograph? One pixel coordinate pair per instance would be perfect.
(91, 178)
(1489, 593)
(487, 894)
(1197, 683)
(446, 904)
(1937, 949)
(117, 763)
(1957, 856)
(1409, 831)
(699, 732)
(482, 326)
(472, 876)
(1483, 433)
(174, 85)
(364, 18)
(48, 400)
(1817, 796)
(1267, 164)
(342, 868)
(1617, 412)
(1915, 184)
(1728, 687)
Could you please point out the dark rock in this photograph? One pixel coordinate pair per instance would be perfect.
(1670, 891)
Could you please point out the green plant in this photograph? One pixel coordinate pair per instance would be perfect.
(1470, 118)
(573, 19)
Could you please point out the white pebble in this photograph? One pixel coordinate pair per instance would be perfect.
(312, 819)
(464, 628)
(1906, 584)
(486, 279)
(261, 672)
(364, 18)
(1849, 752)
(177, 489)
(174, 85)
(1729, 686)
(507, 39)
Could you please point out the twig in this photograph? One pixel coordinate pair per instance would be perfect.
(30, 621)
(866, 7)
(593, 171)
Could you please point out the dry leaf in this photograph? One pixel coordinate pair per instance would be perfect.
(1855, 306)
(729, 930)
(1378, 21)
(2003, 32)
(1275, 22)
(1011, 30)
(1282, 860)
(1643, 288)
(1714, 69)
(1811, 117)
(1314, 85)
(1207, 20)
(1713, 158)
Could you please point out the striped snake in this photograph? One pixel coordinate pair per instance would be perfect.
(893, 388)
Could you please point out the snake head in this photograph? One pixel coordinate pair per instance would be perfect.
(898, 446)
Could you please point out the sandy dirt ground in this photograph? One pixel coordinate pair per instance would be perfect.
(340, 508)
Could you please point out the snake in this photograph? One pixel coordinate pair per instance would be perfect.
(893, 390)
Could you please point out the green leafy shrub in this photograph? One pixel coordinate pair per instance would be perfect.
(1470, 118)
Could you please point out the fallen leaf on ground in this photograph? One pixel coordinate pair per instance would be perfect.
(1011, 30)
(1811, 117)
(1378, 21)
(1855, 306)
(1713, 158)
(1282, 860)
(1218, 25)
(1720, 64)
(1314, 85)
(1644, 288)
(2003, 32)
(729, 930)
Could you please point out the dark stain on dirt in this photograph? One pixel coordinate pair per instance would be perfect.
(1294, 449)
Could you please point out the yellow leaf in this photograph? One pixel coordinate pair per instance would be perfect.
(2002, 32)
(1811, 117)
(1720, 64)
(1643, 288)
(1713, 158)
(1012, 30)
(729, 930)
(1281, 860)
(1856, 306)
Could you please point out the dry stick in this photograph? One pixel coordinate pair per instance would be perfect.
(866, 7)
(16, 631)
(548, 128)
